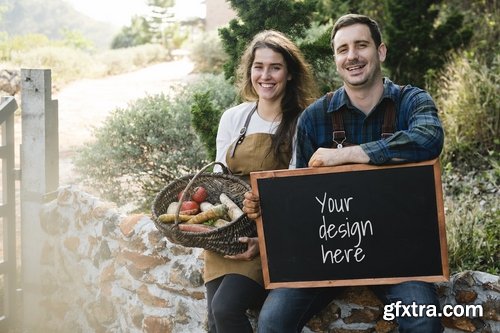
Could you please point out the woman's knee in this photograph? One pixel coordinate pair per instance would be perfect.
(221, 308)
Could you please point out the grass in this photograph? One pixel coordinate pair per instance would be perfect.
(472, 220)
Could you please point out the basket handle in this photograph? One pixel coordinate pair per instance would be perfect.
(225, 170)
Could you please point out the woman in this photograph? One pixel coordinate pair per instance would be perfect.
(275, 84)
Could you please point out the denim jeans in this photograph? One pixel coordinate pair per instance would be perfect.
(288, 310)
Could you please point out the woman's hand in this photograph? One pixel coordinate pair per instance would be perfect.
(251, 205)
(251, 252)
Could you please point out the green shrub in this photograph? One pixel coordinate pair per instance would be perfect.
(66, 63)
(139, 149)
(119, 61)
(8, 46)
(207, 53)
(212, 95)
(70, 63)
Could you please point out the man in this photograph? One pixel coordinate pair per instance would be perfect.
(362, 103)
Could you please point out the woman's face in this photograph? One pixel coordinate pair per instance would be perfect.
(269, 74)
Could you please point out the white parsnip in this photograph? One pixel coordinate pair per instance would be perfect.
(221, 223)
(234, 211)
(205, 205)
(172, 208)
(215, 213)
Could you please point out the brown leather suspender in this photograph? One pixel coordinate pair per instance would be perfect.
(339, 135)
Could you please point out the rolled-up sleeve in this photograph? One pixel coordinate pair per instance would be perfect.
(419, 135)
(305, 146)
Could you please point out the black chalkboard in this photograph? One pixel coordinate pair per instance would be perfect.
(351, 225)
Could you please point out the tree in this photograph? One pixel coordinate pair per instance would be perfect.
(419, 39)
(160, 17)
(331, 9)
(146, 29)
(138, 33)
(289, 16)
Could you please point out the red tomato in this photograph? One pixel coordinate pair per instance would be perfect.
(190, 208)
(200, 194)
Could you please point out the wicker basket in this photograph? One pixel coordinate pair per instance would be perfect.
(223, 240)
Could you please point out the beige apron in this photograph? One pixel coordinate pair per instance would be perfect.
(252, 154)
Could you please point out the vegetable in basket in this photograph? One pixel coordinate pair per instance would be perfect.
(215, 212)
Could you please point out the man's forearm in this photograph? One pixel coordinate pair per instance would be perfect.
(334, 156)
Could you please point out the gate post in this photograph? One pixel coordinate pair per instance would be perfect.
(39, 175)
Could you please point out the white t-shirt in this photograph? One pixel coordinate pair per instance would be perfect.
(230, 124)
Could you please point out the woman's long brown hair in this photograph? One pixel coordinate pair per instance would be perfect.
(300, 91)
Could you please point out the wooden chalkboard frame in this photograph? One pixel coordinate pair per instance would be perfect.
(270, 283)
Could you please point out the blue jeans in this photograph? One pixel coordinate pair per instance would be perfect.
(289, 310)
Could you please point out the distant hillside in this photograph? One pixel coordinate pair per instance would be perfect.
(51, 17)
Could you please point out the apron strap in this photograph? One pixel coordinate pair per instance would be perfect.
(243, 130)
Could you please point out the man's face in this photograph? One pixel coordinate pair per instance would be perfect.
(357, 58)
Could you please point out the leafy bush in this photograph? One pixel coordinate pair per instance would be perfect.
(211, 96)
(124, 60)
(70, 63)
(8, 46)
(140, 149)
(66, 63)
(207, 53)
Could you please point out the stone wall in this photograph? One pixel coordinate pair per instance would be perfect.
(106, 271)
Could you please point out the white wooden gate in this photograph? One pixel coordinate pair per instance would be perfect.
(8, 262)
(39, 176)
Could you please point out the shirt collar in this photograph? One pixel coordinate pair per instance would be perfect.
(391, 91)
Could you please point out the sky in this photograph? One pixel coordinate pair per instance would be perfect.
(119, 12)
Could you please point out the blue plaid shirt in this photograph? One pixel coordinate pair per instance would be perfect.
(418, 137)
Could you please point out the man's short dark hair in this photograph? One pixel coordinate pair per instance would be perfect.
(350, 19)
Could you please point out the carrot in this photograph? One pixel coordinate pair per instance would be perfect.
(195, 227)
(170, 218)
(234, 211)
(214, 213)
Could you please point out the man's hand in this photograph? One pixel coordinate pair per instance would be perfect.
(333, 156)
(251, 252)
(251, 205)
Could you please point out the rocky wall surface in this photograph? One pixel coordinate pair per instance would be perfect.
(107, 271)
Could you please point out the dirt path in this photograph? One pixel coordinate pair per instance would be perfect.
(86, 103)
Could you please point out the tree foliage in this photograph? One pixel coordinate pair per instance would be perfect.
(211, 96)
(137, 33)
(156, 27)
(291, 17)
(419, 39)
(160, 14)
